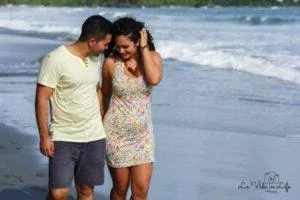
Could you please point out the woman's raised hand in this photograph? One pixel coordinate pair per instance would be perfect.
(144, 38)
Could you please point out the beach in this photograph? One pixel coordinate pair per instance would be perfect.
(226, 114)
(21, 174)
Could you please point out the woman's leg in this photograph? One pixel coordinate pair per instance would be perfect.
(120, 178)
(140, 180)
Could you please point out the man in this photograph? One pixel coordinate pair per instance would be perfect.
(75, 140)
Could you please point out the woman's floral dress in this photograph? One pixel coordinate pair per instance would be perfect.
(128, 123)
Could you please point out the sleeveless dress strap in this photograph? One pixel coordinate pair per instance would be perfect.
(118, 69)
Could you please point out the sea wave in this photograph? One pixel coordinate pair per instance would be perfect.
(15, 74)
(20, 69)
(49, 25)
(254, 19)
(284, 67)
(58, 34)
(265, 20)
(113, 14)
(201, 55)
(170, 43)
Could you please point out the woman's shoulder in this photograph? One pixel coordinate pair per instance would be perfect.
(109, 65)
(111, 60)
(155, 55)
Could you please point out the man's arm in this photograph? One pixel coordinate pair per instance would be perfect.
(42, 98)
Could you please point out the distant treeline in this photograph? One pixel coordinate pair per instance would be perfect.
(129, 3)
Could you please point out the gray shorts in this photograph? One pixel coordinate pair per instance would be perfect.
(82, 161)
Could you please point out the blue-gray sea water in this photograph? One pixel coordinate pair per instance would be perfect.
(226, 115)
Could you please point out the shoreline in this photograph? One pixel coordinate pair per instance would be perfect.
(21, 174)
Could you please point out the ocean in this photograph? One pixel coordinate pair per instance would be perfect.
(226, 115)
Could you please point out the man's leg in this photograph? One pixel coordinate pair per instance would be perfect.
(89, 170)
(58, 194)
(85, 192)
(61, 170)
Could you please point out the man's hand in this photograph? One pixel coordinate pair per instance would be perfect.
(47, 147)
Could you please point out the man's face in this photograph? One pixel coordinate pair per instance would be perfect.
(99, 46)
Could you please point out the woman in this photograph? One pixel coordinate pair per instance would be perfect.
(128, 76)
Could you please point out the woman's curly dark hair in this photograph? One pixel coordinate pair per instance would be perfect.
(131, 28)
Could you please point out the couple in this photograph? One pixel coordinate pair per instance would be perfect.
(77, 142)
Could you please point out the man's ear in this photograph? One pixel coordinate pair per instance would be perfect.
(92, 41)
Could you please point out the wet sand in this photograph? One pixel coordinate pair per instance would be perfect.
(21, 174)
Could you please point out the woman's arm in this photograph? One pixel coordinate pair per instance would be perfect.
(106, 86)
(100, 99)
(152, 62)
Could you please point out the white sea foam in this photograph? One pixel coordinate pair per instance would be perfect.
(119, 14)
(113, 15)
(201, 54)
(38, 26)
(274, 8)
(79, 9)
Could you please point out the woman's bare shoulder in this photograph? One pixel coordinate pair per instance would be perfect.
(109, 65)
(110, 60)
(156, 56)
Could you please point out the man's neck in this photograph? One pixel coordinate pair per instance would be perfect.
(79, 49)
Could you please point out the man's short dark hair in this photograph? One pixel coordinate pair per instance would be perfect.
(95, 26)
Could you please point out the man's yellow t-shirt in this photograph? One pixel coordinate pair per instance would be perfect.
(74, 105)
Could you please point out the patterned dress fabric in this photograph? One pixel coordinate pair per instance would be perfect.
(128, 123)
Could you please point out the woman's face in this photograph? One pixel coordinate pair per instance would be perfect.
(125, 47)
